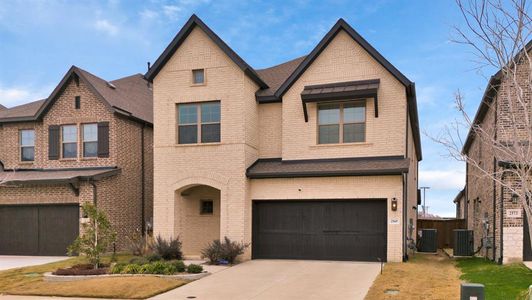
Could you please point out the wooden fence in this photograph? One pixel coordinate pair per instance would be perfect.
(445, 229)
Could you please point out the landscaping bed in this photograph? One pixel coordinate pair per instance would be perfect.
(30, 281)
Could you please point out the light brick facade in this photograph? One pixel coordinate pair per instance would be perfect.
(120, 196)
(250, 131)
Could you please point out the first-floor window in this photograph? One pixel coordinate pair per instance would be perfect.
(198, 123)
(343, 122)
(27, 145)
(90, 140)
(69, 140)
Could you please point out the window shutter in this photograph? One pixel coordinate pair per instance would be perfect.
(103, 139)
(53, 142)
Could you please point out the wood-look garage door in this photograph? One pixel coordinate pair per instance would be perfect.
(326, 230)
(38, 229)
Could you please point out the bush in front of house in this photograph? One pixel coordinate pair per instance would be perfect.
(223, 251)
(154, 257)
(194, 269)
(168, 249)
(158, 267)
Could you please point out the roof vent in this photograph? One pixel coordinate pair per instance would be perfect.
(111, 85)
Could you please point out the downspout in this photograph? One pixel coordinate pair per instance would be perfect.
(494, 211)
(142, 179)
(405, 191)
(501, 220)
(94, 193)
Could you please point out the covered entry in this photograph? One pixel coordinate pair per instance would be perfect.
(320, 229)
(38, 229)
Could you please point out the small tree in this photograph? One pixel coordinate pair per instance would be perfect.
(96, 238)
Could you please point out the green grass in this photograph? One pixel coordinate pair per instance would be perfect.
(500, 281)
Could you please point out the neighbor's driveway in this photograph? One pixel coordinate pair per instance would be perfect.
(11, 262)
(282, 279)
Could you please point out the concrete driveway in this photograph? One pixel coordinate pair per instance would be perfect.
(11, 262)
(282, 279)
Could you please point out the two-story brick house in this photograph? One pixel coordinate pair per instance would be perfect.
(89, 141)
(315, 158)
(491, 209)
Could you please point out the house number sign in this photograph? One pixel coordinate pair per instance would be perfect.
(513, 213)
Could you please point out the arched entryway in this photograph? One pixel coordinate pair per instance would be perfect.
(198, 217)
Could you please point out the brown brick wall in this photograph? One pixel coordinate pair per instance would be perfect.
(120, 196)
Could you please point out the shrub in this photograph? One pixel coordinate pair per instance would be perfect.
(158, 267)
(117, 268)
(227, 250)
(131, 269)
(154, 257)
(138, 244)
(170, 269)
(179, 265)
(97, 236)
(168, 249)
(139, 261)
(194, 269)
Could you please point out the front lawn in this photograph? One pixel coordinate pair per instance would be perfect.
(29, 281)
(501, 281)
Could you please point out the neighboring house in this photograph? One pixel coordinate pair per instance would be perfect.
(89, 141)
(315, 158)
(459, 201)
(490, 206)
(2, 107)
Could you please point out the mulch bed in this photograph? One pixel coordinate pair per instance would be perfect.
(82, 269)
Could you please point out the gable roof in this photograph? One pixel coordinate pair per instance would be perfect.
(487, 98)
(2, 107)
(129, 96)
(341, 24)
(181, 37)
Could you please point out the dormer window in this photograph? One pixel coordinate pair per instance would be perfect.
(198, 76)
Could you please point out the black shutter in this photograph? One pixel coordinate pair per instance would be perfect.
(53, 142)
(103, 139)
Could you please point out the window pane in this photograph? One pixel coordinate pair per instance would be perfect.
(188, 134)
(329, 114)
(210, 112)
(354, 133)
(207, 207)
(90, 132)
(70, 134)
(27, 138)
(28, 153)
(329, 134)
(198, 76)
(210, 133)
(70, 150)
(188, 114)
(90, 149)
(354, 113)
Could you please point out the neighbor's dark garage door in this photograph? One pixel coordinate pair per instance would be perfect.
(327, 230)
(38, 229)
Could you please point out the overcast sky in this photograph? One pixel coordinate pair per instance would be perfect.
(39, 41)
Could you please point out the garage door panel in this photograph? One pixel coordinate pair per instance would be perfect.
(331, 229)
(37, 229)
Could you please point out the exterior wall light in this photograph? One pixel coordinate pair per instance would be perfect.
(515, 198)
(394, 204)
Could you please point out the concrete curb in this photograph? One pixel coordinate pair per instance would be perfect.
(48, 276)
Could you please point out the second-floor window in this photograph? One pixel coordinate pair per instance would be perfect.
(198, 123)
(342, 122)
(69, 140)
(90, 140)
(27, 145)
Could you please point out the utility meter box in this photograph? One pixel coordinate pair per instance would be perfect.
(471, 291)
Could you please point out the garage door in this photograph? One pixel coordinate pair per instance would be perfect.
(38, 229)
(325, 230)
